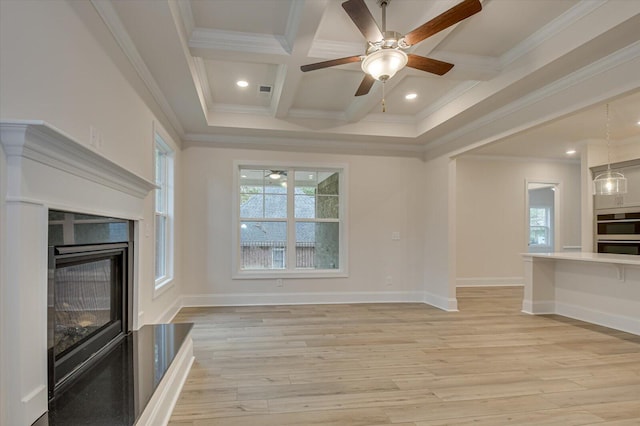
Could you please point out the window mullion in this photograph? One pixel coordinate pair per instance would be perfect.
(291, 221)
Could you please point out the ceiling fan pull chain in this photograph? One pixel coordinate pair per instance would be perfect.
(384, 107)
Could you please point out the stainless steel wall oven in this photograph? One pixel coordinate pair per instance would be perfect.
(618, 232)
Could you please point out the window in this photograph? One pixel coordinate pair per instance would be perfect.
(290, 221)
(163, 213)
(539, 226)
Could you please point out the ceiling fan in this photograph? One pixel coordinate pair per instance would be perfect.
(385, 54)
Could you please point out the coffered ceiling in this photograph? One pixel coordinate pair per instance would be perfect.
(518, 63)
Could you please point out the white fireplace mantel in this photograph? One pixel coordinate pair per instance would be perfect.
(43, 143)
(46, 169)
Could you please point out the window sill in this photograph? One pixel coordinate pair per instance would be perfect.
(161, 286)
(272, 275)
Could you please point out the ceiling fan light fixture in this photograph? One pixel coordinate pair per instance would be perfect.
(383, 64)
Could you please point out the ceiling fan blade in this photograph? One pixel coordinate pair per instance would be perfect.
(362, 17)
(331, 63)
(429, 65)
(452, 16)
(365, 86)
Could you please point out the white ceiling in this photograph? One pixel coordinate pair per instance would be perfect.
(518, 64)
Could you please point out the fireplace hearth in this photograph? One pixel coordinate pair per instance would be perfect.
(88, 292)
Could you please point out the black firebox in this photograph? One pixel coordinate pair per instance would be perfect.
(89, 286)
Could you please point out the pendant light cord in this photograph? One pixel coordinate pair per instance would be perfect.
(608, 139)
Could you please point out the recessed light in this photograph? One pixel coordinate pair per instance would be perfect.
(570, 152)
(411, 96)
(242, 83)
(638, 123)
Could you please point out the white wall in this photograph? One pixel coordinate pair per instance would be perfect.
(437, 189)
(491, 215)
(383, 195)
(57, 65)
(3, 269)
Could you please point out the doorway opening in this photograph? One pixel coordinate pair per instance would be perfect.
(542, 217)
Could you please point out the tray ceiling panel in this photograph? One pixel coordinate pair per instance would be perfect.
(264, 16)
(509, 58)
(224, 75)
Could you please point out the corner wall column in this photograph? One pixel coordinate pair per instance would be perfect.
(24, 317)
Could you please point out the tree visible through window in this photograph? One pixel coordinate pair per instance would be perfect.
(539, 226)
(289, 219)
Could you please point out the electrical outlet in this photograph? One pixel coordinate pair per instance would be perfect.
(395, 236)
(279, 282)
(389, 281)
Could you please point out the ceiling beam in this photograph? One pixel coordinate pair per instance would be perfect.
(301, 31)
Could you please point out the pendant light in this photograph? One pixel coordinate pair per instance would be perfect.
(609, 182)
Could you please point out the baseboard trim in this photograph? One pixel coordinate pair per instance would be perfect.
(169, 313)
(253, 299)
(605, 319)
(444, 303)
(539, 308)
(490, 282)
(161, 404)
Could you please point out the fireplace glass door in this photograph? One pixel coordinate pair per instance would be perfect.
(87, 304)
(85, 300)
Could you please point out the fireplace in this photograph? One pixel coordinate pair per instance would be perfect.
(48, 174)
(90, 271)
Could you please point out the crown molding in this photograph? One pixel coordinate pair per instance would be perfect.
(515, 158)
(316, 114)
(483, 67)
(38, 141)
(449, 97)
(615, 59)
(293, 23)
(329, 49)
(557, 25)
(112, 21)
(236, 41)
(340, 116)
(202, 80)
(186, 14)
(385, 117)
(240, 109)
(301, 145)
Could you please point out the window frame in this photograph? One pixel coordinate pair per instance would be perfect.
(546, 227)
(290, 270)
(166, 186)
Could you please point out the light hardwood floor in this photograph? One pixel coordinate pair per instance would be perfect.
(407, 364)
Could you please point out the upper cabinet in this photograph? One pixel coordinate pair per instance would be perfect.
(631, 170)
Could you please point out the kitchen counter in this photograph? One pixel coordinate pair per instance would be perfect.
(598, 288)
(618, 259)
